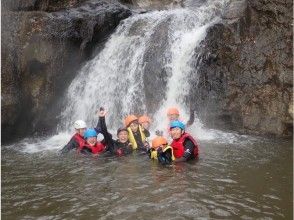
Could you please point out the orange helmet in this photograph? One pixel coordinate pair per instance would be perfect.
(158, 141)
(129, 119)
(144, 118)
(173, 111)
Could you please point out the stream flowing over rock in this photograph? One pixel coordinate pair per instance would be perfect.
(42, 52)
(243, 70)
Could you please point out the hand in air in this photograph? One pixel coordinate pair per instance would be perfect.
(102, 112)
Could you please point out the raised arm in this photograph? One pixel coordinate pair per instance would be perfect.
(72, 144)
(103, 129)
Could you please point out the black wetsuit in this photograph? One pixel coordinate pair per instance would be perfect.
(73, 143)
(114, 146)
(189, 148)
(140, 144)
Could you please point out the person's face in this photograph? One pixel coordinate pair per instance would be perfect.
(176, 133)
(92, 141)
(81, 131)
(134, 126)
(173, 117)
(145, 125)
(123, 136)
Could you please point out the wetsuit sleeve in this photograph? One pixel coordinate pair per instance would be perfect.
(72, 144)
(108, 141)
(98, 128)
(146, 132)
(189, 148)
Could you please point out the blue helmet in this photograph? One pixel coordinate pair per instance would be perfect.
(90, 133)
(177, 124)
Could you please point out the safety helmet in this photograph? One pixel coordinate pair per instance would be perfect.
(177, 124)
(129, 119)
(121, 129)
(80, 124)
(173, 111)
(90, 133)
(158, 141)
(144, 118)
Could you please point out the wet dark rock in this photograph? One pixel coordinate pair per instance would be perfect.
(40, 5)
(246, 77)
(155, 72)
(41, 53)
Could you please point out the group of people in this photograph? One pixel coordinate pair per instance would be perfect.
(134, 137)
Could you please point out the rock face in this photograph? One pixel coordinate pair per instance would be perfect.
(42, 52)
(244, 80)
(246, 74)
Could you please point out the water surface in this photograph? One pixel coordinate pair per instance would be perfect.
(250, 180)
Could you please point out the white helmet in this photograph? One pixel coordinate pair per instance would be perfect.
(80, 124)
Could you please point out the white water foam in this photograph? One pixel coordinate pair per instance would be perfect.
(114, 78)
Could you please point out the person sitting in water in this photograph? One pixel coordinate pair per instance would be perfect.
(91, 146)
(184, 145)
(136, 134)
(161, 151)
(118, 147)
(144, 121)
(78, 138)
(173, 114)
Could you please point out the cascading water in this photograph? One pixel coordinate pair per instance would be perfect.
(115, 77)
(145, 67)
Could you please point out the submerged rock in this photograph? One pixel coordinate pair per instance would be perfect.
(42, 52)
(246, 75)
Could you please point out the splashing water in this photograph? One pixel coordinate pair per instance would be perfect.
(114, 78)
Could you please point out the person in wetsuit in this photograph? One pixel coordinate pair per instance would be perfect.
(78, 138)
(184, 145)
(120, 146)
(136, 133)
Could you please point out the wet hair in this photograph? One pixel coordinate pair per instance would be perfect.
(121, 129)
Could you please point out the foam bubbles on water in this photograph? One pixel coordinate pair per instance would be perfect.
(36, 145)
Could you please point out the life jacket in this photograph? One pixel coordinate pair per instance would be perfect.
(96, 149)
(178, 146)
(132, 139)
(79, 139)
(154, 153)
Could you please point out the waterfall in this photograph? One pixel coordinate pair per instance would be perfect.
(115, 77)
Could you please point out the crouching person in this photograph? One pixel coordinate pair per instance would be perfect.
(161, 151)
